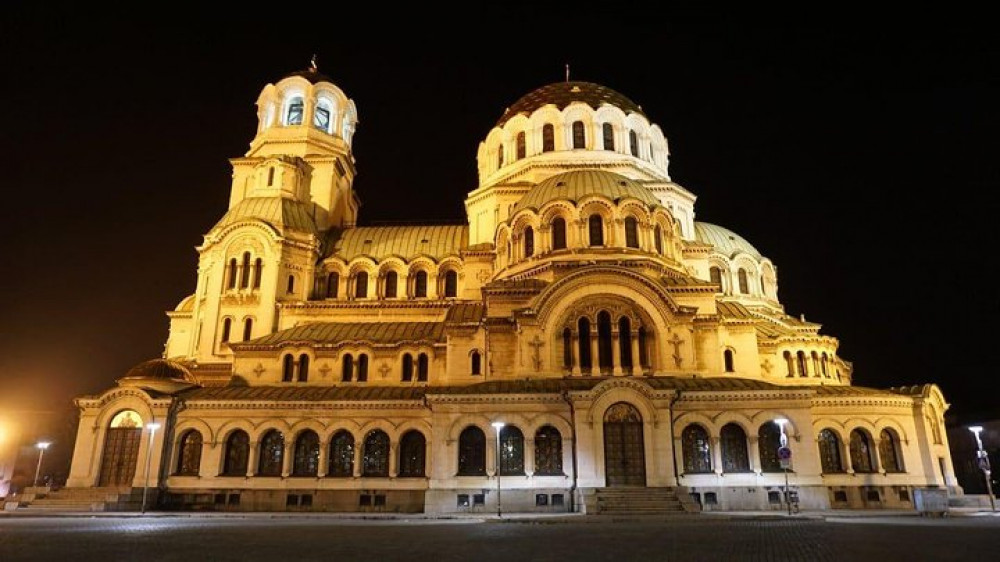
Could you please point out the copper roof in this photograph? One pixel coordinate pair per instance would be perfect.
(279, 212)
(734, 310)
(306, 393)
(575, 185)
(562, 94)
(407, 242)
(724, 240)
(465, 313)
(159, 369)
(340, 332)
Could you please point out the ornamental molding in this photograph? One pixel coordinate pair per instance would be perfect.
(554, 294)
(890, 402)
(265, 404)
(122, 392)
(548, 398)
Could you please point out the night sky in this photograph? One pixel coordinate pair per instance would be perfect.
(858, 156)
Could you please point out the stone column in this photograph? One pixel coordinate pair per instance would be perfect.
(358, 447)
(636, 365)
(616, 354)
(393, 460)
(529, 456)
(716, 454)
(252, 459)
(595, 360)
(753, 451)
(574, 341)
(324, 460)
(205, 471)
(286, 459)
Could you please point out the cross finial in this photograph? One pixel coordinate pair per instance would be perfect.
(567, 72)
(312, 63)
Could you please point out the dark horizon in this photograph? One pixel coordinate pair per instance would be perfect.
(859, 159)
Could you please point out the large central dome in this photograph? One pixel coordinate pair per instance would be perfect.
(561, 94)
(575, 185)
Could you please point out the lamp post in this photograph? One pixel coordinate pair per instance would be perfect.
(42, 445)
(983, 459)
(152, 426)
(784, 457)
(498, 425)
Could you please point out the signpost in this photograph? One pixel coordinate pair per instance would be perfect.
(785, 458)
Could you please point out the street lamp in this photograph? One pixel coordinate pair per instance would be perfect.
(498, 425)
(42, 445)
(152, 426)
(984, 463)
(784, 457)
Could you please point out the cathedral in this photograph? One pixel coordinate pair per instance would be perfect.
(579, 344)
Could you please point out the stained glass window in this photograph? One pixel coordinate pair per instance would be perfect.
(420, 284)
(548, 452)
(558, 233)
(887, 449)
(391, 280)
(735, 457)
(596, 228)
(609, 136)
(237, 454)
(341, 454)
(450, 284)
(189, 454)
(412, 448)
(697, 449)
(579, 136)
(306, 454)
(548, 138)
(768, 441)
(861, 452)
(631, 232)
(272, 453)
(511, 451)
(472, 452)
(829, 451)
(375, 458)
(521, 148)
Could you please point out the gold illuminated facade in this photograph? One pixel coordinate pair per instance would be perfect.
(637, 357)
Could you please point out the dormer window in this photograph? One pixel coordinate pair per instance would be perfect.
(295, 109)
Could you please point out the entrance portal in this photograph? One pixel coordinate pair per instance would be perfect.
(121, 449)
(624, 448)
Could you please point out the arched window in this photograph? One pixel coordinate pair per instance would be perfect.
(422, 367)
(529, 242)
(861, 452)
(735, 457)
(420, 284)
(500, 156)
(742, 276)
(521, 147)
(715, 276)
(189, 454)
(247, 329)
(295, 110)
(789, 364)
(558, 233)
(815, 369)
(604, 343)
(768, 441)
(291, 284)
(321, 116)
(697, 449)
(258, 267)
(361, 285)
(658, 239)
(567, 336)
(763, 288)
(596, 225)
(548, 138)
(233, 272)
(412, 450)
(631, 232)
(407, 367)
(347, 368)
(288, 368)
(472, 452)
(829, 452)
(548, 452)
(584, 339)
(451, 284)
(237, 454)
(303, 368)
(306, 461)
(888, 449)
(341, 455)
(625, 342)
(643, 347)
(609, 136)
(727, 358)
(579, 137)
(270, 176)
(227, 326)
(803, 366)
(391, 281)
(332, 285)
(375, 455)
(476, 361)
(633, 143)
(511, 451)
(822, 365)
(272, 453)
(362, 367)
(245, 271)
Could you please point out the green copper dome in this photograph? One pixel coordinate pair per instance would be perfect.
(724, 240)
(574, 186)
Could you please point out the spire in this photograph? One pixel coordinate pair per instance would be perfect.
(312, 64)
(567, 72)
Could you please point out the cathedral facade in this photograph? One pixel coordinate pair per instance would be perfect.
(582, 343)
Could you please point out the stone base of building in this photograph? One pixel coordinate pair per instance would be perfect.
(484, 500)
(765, 498)
(306, 500)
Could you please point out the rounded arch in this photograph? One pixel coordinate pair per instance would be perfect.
(613, 391)
(563, 426)
(764, 416)
(459, 425)
(890, 423)
(738, 418)
(194, 423)
(350, 426)
(380, 424)
(836, 427)
(553, 303)
(695, 418)
(119, 400)
(307, 424)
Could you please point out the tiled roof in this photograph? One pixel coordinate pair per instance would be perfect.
(577, 184)
(465, 313)
(306, 393)
(279, 212)
(562, 94)
(733, 310)
(725, 241)
(337, 332)
(407, 242)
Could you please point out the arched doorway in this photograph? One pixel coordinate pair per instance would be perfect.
(624, 448)
(121, 449)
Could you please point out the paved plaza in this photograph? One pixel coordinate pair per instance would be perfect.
(576, 538)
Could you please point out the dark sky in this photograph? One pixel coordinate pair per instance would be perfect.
(858, 156)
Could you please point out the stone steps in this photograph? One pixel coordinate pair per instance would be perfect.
(638, 501)
(77, 499)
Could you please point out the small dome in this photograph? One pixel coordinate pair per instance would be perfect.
(724, 240)
(561, 94)
(186, 305)
(311, 74)
(279, 212)
(574, 186)
(159, 369)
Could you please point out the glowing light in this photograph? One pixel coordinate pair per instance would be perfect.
(43, 445)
